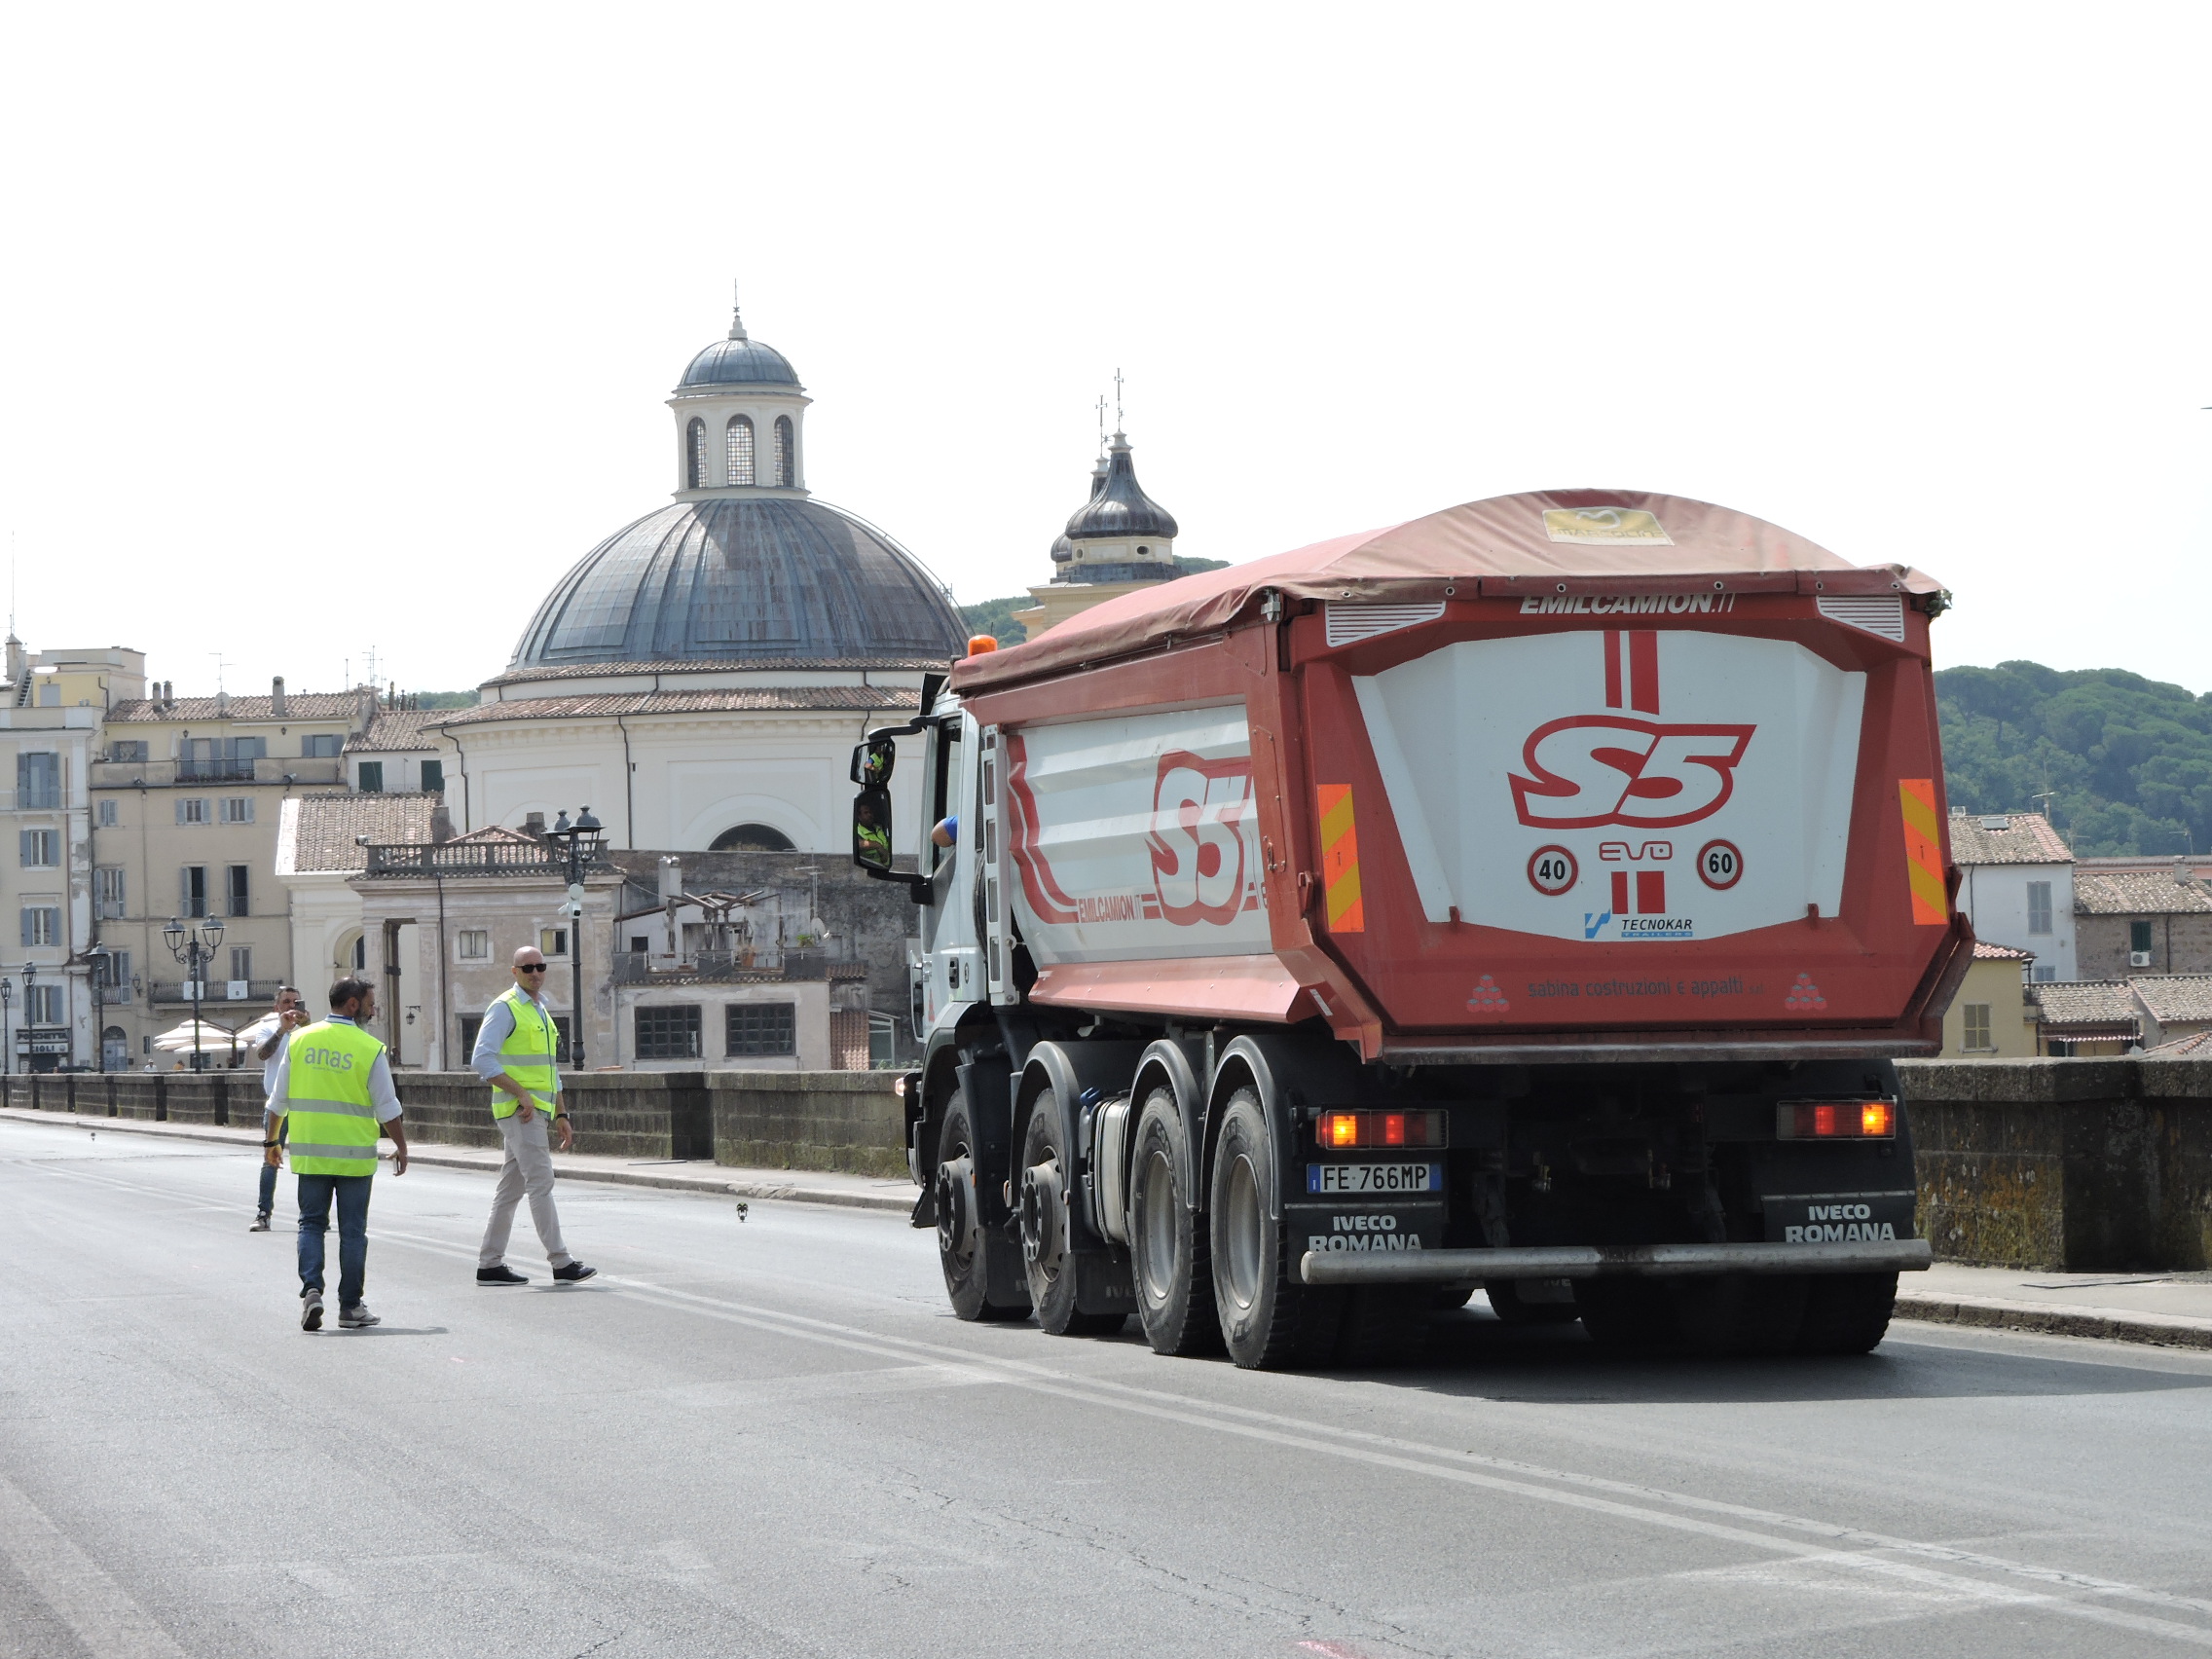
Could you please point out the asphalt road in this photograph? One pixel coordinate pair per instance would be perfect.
(770, 1437)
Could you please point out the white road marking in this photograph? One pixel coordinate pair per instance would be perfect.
(101, 1614)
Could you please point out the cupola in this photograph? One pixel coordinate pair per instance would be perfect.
(740, 422)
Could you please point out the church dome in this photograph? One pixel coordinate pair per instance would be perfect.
(1119, 508)
(743, 580)
(738, 361)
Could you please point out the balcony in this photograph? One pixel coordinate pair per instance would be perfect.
(465, 858)
(732, 967)
(209, 774)
(214, 992)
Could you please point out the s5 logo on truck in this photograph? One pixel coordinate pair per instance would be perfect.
(1196, 840)
(1589, 770)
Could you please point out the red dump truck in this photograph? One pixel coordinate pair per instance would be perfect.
(1531, 896)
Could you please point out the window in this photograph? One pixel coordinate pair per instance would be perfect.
(552, 941)
(695, 455)
(108, 894)
(759, 1028)
(42, 923)
(470, 1025)
(2046, 974)
(639, 945)
(668, 1033)
(41, 1005)
(191, 809)
(128, 749)
(191, 890)
(40, 849)
(237, 809)
(360, 954)
(1976, 1020)
(474, 944)
(737, 439)
(234, 888)
(241, 961)
(107, 815)
(244, 750)
(117, 981)
(38, 782)
(2039, 907)
(371, 780)
(324, 746)
(434, 777)
(787, 464)
(752, 838)
(2138, 932)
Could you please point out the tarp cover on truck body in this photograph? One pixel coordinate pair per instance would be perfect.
(1544, 541)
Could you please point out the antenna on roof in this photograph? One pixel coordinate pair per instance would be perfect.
(1101, 423)
(1118, 423)
(220, 665)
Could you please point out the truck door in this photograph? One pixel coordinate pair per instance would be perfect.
(952, 975)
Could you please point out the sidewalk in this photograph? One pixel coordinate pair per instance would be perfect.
(2170, 1309)
(791, 1186)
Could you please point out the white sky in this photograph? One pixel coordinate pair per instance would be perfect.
(336, 329)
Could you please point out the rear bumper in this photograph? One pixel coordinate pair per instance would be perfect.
(1608, 1260)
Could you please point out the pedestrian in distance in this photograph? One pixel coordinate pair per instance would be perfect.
(291, 1014)
(515, 1049)
(333, 1089)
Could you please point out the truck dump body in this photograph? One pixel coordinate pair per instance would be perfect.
(1552, 776)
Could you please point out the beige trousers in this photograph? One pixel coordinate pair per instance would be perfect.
(528, 1171)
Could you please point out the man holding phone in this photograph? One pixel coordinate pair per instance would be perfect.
(291, 1014)
(515, 1048)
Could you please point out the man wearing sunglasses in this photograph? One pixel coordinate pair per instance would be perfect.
(514, 1053)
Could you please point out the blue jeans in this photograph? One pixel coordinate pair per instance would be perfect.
(352, 1195)
(269, 1170)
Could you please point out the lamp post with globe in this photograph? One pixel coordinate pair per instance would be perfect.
(194, 947)
(7, 997)
(583, 842)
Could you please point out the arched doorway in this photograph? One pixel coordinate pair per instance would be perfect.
(115, 1049)
(752, 838)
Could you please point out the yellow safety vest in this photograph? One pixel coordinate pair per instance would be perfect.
(526, 1055)
(331, 1122)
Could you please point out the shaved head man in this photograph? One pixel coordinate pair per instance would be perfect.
(515, 1051)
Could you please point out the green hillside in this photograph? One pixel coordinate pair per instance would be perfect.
(2126, 761)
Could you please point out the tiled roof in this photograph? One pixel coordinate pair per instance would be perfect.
(1985, 951)
(396, 730)
(2026, 838)
(2197, 1047)
(2086, 1002)
(2175, 997)
(327, 825)
(771, 665)
(2135, 892)
(298, 706)
(762, 699)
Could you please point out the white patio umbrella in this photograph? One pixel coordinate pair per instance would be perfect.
(179, 1041)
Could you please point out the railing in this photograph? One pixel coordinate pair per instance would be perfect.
(724, 966)
(212, 990)
(462, 857)
(169, 774)
(216, 771)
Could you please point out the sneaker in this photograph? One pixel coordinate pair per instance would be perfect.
(576, 1272)
(260, 1223)
(311, 1311)
(354, 1317)
(501, 1275)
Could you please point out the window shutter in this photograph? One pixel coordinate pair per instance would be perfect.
(26, 920)
(22, 846)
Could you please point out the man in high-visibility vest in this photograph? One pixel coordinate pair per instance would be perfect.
(333, 1091)
(515, 1048)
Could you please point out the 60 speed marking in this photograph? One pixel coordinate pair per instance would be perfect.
(1551, 871)
(1719, 866)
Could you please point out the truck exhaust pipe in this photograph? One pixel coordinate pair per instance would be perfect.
(1608, 1260)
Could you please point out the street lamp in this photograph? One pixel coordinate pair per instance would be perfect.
(585, 842)
(194, 947)
(7, 996)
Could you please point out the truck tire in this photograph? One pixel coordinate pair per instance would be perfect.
(1626, 1315)
(966, 1248)
(1270, 1318)
(1506, 1302)
(1847, 1312)
(1734, 1315)
(1168, 1249)
(1045, 1258)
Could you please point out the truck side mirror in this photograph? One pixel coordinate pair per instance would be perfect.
(873, 761)
(871, 827)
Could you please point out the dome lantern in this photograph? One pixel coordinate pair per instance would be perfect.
(740, 421)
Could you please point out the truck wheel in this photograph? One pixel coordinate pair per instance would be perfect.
(1627, 1316)
(1169, 1255)
(1045, 1255)
(1741, 1314)
(965, 1247)
(1450, 1296)
(1506, 1302)
(1847, 1312)
(1270, 1318)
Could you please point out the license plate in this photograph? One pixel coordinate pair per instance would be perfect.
(1374, 1177)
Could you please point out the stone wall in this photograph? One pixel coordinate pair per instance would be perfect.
(847, 1121)
(2074, 1166)
(2180, 943)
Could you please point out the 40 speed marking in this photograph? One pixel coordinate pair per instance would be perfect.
(1719, 866)
(1551, 871)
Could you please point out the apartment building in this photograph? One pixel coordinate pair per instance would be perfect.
(2016, 885)
(187, 797)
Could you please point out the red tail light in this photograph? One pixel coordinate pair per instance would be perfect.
(1350, 1130)
(1835, 1120)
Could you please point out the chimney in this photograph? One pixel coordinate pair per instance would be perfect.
(15, 661)
(441, 824)
(2180, 871)
(670, 880)
(533, 826)
(277, 697)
